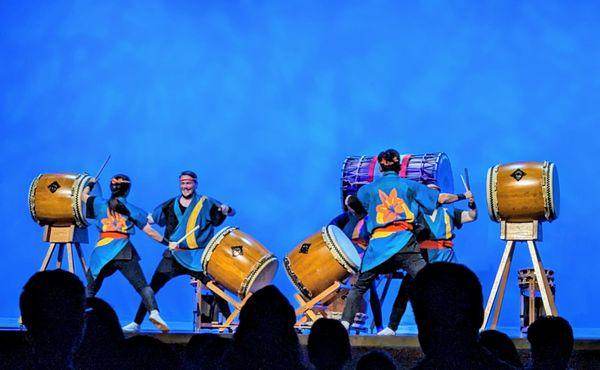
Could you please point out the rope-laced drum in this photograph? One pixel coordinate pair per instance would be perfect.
(55, 199)
(320, 260)
(523, 191)
(429, 168)
(238, 262)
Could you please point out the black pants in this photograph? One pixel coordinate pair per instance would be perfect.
(411, 262)
(132, 271)
(167, 269)
(375, 306)
(401, 301)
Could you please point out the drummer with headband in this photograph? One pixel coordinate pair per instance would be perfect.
(392, 204)
(436, 240)
(115, 219)
(179, 215)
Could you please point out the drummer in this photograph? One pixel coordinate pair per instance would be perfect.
(391, 203)
(179, 215)
(115, 219)
(436, 240)
(351, 222)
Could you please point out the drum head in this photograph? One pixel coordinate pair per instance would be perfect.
(444, 178)
(345, 247)
(554, 192)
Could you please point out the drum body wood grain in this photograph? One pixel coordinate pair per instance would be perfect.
(55, 199)
(238, 262)
(320, 260)
(523, 192)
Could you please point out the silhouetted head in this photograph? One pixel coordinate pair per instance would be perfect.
(102, 336)
(143, 352)
(551, 340)
(501, 346)
(376, 360)
(204, 351)
(265, 337)
(448, 303)
(328, 344)
(52, 305)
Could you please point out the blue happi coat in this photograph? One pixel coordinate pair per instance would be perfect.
(116, 227)
(198, 212)
(392, 203)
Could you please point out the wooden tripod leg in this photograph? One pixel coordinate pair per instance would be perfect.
(531, 304)
(48, 256)
(319, 298)
(80, 254)
(310, 314)
(59, 258)
(218, 291)
(502, 289)
(506, 259)
(235, 313)
(540, 275)
(70, 258)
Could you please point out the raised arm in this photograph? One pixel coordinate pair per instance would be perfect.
(446, 198)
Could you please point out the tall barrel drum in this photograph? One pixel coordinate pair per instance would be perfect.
(428, 168)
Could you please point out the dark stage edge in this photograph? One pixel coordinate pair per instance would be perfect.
(373, 341)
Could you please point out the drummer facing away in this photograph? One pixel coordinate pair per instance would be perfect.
(392, 204)
(115, 219)
(179, 215)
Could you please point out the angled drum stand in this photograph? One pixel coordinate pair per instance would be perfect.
(217, 291)
(61, 237)
(513, 232)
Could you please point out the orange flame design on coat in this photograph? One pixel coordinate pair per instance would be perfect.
(392, 208)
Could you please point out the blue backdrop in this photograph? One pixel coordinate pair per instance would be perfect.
(265, 99)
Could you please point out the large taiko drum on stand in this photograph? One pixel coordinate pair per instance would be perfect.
(238, 262)
(55, 199)
(320, 260)
(523, 192)
(429, 168)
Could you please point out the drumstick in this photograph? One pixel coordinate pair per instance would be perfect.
(188, 234)
(102, 168)
(467, 179)
(464, 183)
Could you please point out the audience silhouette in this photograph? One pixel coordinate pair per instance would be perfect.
(448, 307)
(52, 304)
(376, 360)
(102, 337)
(501, 346)
(204, 351)
(328, 344)
(551, 340)
(265, 337)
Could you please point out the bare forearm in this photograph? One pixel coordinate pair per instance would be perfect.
(152, 233)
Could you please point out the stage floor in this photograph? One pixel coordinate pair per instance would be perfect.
(406, 337)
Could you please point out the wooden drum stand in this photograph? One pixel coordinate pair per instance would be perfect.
(513, 232)
(61, 237)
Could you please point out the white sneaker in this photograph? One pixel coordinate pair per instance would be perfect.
(346, 324)
(386, 332)
(132, 327)
(158, 321)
